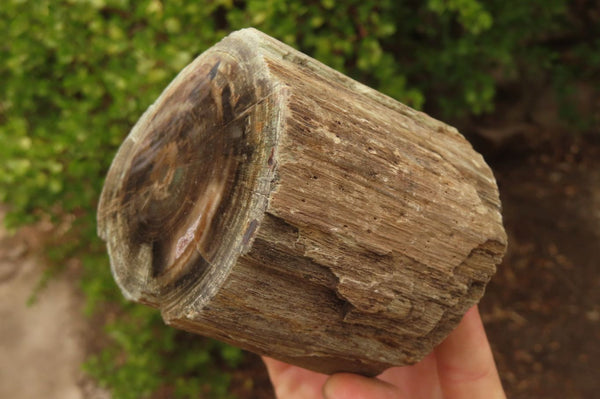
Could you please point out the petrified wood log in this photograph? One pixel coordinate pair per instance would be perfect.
(271, 202)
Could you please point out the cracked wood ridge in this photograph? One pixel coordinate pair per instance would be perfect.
(272, 203)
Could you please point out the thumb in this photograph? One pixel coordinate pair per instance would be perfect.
(353, 386)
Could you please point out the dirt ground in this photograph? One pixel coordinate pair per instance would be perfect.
(541, 310)
(41, 346)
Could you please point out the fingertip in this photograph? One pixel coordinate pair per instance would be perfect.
(465, 361)
(353, 386)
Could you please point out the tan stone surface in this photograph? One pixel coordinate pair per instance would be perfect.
(41, 346)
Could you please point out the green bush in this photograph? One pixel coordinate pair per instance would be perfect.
(76, 74)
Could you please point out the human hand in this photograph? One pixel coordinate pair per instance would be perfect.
(460, 367)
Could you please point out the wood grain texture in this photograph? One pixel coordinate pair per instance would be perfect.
(271, 202)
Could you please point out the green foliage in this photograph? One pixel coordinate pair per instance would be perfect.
(143, 356)
(347, 35)
(75, 77)
(76, 74)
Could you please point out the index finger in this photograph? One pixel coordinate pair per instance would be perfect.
(465, 363)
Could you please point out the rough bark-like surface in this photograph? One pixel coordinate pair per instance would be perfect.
(270, 202)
